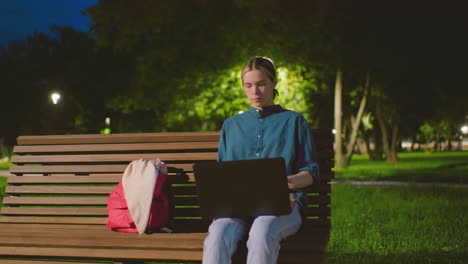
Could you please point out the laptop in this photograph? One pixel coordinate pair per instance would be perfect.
(242, 188)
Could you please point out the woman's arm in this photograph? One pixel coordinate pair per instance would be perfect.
(300, 180)
(306, 158)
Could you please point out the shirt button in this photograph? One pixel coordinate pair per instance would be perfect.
(257, 154)
(259, 136)
(261, 120)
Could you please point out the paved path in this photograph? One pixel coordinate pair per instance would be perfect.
(5, 173)
(402, 183)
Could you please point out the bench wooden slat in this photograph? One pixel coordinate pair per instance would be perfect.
(320, 136)
(22, 261)
(105, 238)
(54, 220)
(83, 169)
(128, 148)
(84, 179)
(317, 211)
(109, 239)
(319, 188)
(127, 158)
(319, 199)
(105, 178)
(318, 222)
(49, 221)
(55, 200)
(85, 190)
(105, 158)
(85, 211)
(54, 211)
(111, 179)
(119, 138)
(73, 201)
(178, 199)
(316, 188)
(79, 211)
(26, 230)
(59, 189)
(284, 258)
(325, 172)
(291, 258)
(181, 224)
(322, 188)
(34, 149)
(99, 240)
(67, 169)
(182, 255)
(32, 227)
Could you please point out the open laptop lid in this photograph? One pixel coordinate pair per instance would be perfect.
(242, 188)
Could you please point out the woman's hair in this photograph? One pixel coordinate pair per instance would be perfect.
(263, 64)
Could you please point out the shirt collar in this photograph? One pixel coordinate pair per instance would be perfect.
(266, 111)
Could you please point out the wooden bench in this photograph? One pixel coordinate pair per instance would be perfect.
(55, 207)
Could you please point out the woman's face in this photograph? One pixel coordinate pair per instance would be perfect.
(258, 88)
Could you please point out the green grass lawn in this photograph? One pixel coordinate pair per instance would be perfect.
(5, 165)
(413, 167)
(2, 189)
(372, 224)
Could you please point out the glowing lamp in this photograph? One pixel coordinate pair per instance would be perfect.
(55, 98)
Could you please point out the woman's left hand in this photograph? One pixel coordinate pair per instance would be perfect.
(300, 180)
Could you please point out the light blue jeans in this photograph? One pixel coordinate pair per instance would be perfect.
(264, 239)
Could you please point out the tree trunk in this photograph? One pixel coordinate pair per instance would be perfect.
(362, 146)
(437, 142)
(393, 150)
(390, 148)
(356, 123)
(338, 106)
(383, 128)
(378, 154)
(375, 151)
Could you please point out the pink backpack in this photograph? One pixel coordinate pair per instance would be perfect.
(119, 218)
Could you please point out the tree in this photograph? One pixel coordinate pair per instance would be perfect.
(158, 38)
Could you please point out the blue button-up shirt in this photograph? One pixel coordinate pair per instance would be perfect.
(269, 133)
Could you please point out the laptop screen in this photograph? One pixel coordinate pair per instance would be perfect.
(242, 188)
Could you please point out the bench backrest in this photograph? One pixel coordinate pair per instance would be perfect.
(65, 179)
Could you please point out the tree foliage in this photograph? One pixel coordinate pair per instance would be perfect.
(188, 55)
(174, 65)
(69, 63)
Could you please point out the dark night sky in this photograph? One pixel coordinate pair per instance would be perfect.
(20, 18)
